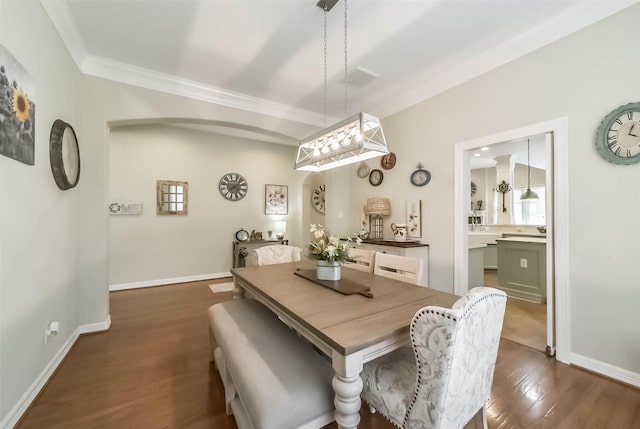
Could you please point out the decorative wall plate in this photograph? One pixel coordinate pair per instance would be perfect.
(388, 161)
(363, 170)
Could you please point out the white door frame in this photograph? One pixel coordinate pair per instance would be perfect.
(557, 222)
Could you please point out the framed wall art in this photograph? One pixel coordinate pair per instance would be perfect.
(414, 218)
(172, 197)
(276, 199)
(17, 110)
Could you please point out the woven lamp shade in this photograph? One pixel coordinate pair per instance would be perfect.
(378, 206)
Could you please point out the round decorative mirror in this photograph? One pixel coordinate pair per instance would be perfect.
(64, 155)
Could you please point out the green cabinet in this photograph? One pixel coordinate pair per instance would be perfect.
(522, 268)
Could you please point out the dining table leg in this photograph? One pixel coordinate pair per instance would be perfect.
(238, 291)
(347, 386)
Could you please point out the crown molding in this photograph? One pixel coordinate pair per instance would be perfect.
(558, 26)
(145, 78)
(62, 20)
(572, 19)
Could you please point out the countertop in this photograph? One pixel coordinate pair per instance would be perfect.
(525, 239)
(393, 243)
(477, 246)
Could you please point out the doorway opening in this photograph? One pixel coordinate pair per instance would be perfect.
(556, 220)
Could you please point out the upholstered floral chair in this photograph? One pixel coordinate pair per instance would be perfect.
(445, 377)
(274, 254)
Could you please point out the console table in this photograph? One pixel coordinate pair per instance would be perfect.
(242, 248)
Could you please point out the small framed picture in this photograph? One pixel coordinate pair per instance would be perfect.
(276, 199)
(414, 218)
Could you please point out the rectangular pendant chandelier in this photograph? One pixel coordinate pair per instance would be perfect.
(357, 138)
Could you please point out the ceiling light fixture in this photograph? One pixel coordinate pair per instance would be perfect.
(356, 138)
(529, 194)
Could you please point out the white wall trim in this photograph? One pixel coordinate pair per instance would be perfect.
(150, 79)
(559, 234)
(95, 327)
(558, 26)
(11, 419)
(24, 402)
(162, 282)
(606, 369)
(62, 20)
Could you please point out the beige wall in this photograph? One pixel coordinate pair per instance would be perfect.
(150, 247)
(39, 261)
(53, 252)
(582, 77)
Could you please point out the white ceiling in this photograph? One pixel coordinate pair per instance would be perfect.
(536, 157)
(267, 56)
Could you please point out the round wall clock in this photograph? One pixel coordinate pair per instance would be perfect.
(64, 155)
(474, 188)
(376, 177)
(233, 186)
(618, 136)
(363, 170)
(388, 161)
(420, 176)
(242, 235)
(317, 198)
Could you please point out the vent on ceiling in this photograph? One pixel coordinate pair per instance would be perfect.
(361, 76)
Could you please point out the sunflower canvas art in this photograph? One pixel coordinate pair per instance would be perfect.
(17, 110)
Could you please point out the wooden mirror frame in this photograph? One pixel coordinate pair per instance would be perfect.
(64, 157)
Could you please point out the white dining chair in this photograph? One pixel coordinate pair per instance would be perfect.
(274, 254)
(361, 260)
(444, 379)
(403, 268)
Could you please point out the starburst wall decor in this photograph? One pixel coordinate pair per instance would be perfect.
(17, 110)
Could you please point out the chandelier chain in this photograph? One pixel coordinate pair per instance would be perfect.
(528, 167)
(346, 82)
(324, 107)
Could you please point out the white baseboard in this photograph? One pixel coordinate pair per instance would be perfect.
(95, 327)
(32, 392)
(23, 403)
(161, 282)
(606, 369)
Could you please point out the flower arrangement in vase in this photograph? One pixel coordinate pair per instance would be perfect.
(329, 250)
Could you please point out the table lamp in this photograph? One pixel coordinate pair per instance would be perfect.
(280, 228)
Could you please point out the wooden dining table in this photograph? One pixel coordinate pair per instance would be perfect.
(350, 329)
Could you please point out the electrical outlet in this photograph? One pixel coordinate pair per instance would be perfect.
(52, 329)
(523, 263)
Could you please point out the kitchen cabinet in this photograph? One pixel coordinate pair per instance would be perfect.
(522, 268)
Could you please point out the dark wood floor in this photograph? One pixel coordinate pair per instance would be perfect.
(152, 370)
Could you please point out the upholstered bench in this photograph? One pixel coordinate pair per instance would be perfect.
(273, 379)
